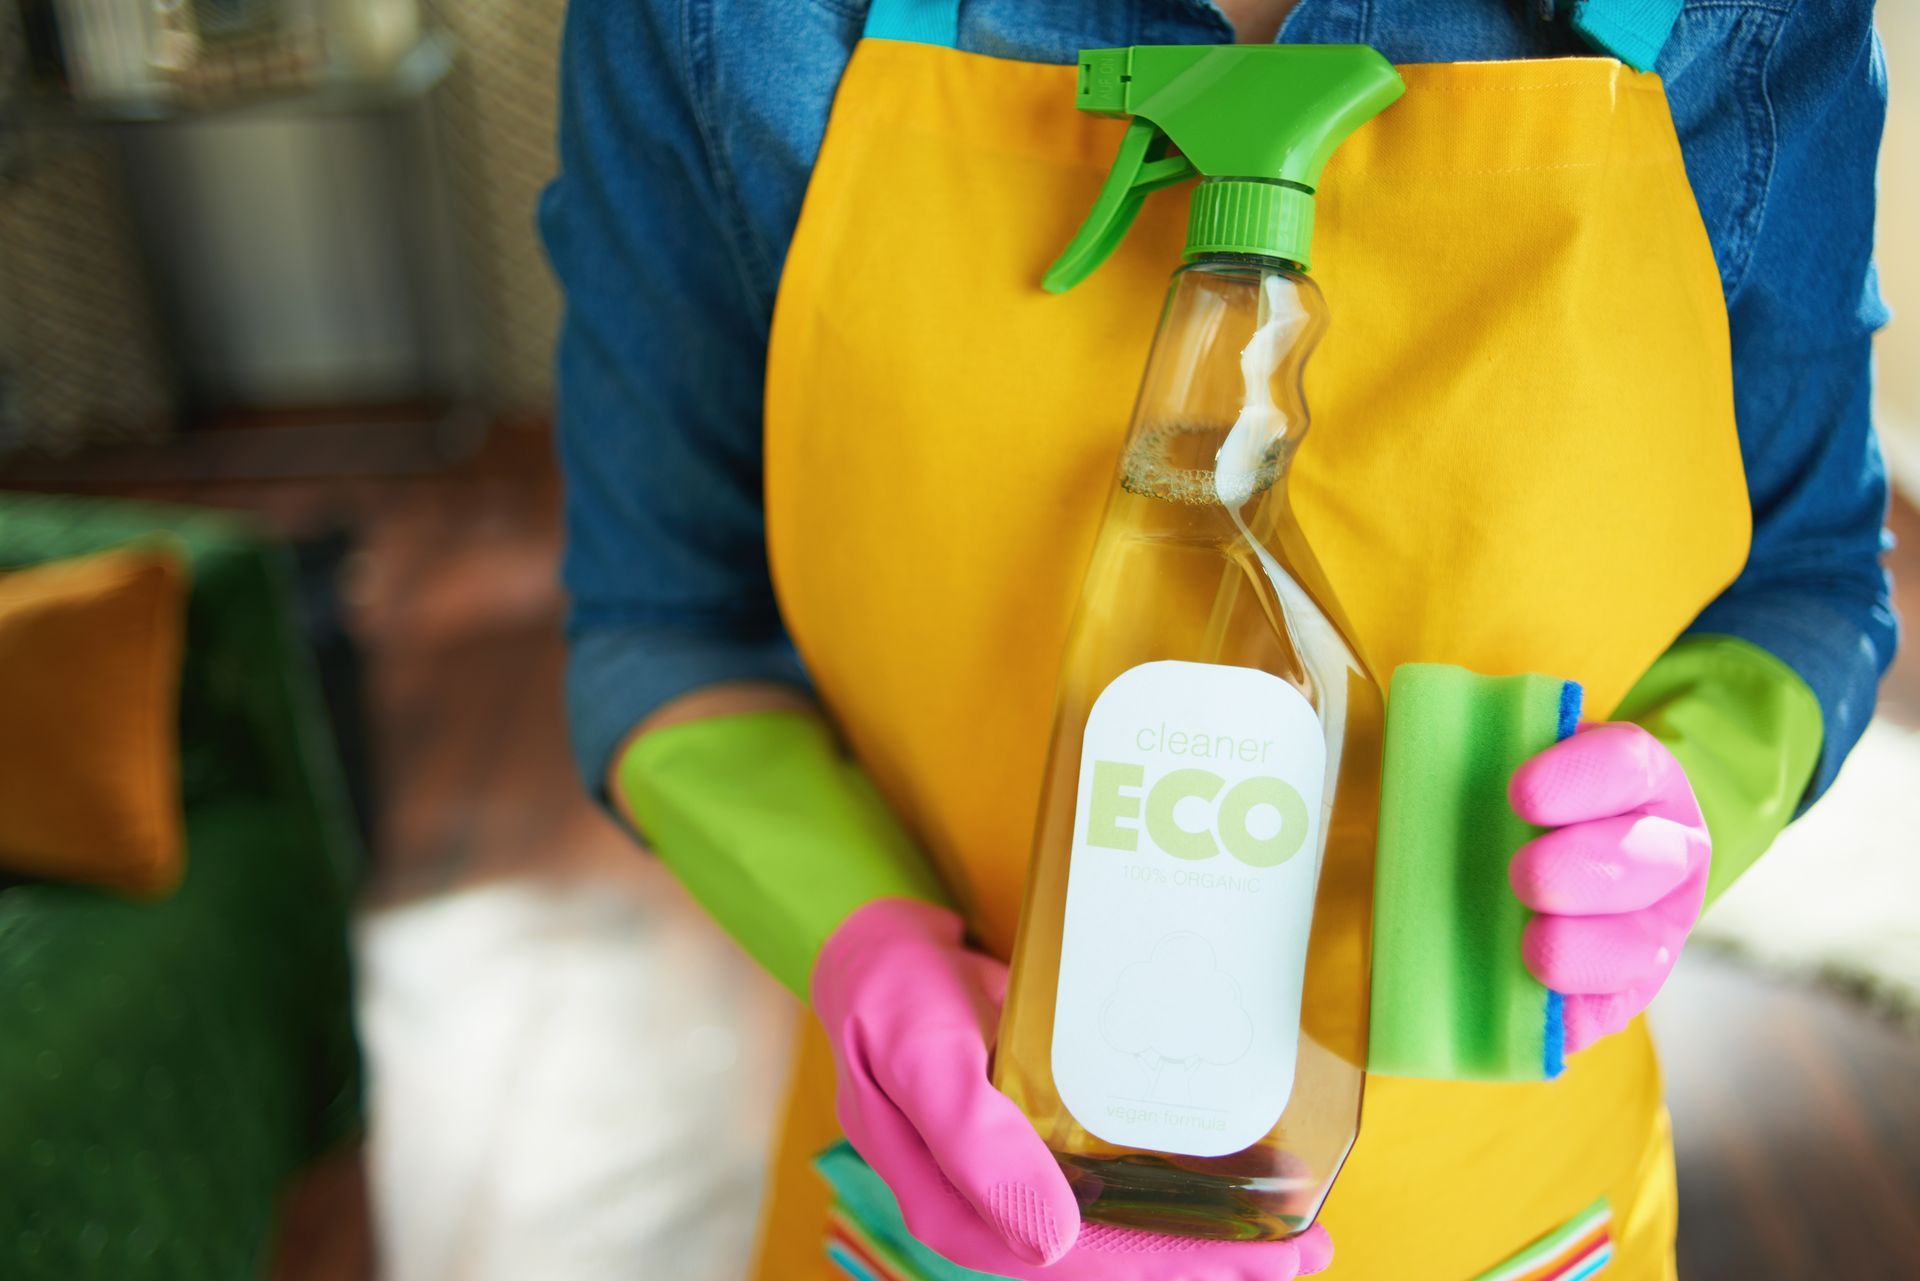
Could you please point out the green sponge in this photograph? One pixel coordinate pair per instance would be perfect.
(1452, 999)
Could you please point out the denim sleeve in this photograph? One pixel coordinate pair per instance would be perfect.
(659, 370)
(1801, 315)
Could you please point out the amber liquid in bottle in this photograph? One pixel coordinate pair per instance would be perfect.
(1196, 567)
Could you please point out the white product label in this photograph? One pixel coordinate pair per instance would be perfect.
(1189, 898)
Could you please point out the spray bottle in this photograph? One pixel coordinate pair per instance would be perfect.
(1186, 1017)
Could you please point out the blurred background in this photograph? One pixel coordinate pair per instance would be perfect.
(269, 293)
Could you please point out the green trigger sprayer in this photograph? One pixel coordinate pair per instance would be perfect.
(1255, 122)
(1208, 804)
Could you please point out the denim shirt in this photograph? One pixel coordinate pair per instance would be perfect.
(688, 132)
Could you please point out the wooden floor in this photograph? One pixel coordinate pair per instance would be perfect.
(1797, 1120)
(1797, 1115)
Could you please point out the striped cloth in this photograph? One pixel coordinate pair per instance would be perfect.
(868, 1241)
(859, 1255)
(1574, 1252)
(866, 1237)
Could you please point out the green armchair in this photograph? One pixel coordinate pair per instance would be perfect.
(166, 1068)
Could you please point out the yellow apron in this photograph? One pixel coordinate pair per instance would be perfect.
(1523, 459)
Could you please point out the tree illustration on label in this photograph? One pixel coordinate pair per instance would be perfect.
(1177, 1009)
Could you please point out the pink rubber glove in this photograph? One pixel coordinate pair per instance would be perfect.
(1618, 883)
(909, 1010)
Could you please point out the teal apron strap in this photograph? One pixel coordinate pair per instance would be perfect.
(935, 22)
(1633, 31)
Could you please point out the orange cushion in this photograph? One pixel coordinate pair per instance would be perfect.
(90, 652)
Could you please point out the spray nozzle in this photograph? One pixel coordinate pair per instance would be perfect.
(1255, 122)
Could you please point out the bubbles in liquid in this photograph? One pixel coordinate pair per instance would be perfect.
(1174, 462)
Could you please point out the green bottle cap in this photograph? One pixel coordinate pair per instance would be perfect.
(1256, 123)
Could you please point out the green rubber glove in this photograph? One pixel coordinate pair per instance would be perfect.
(774, 830)
(1746, 729)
